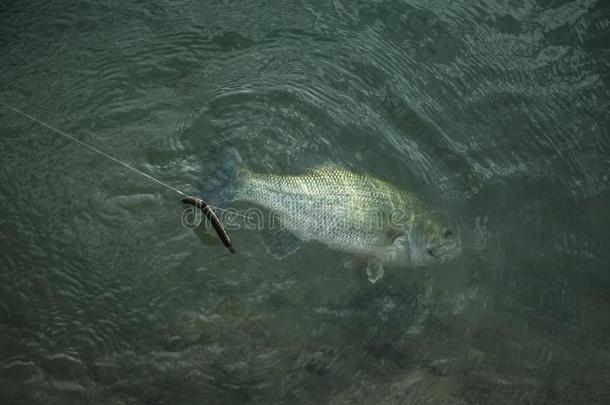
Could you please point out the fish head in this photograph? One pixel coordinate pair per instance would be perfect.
(428, 242)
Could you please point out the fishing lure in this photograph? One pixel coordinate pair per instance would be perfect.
(214, 220)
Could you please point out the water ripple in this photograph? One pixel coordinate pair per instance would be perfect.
(495, 113)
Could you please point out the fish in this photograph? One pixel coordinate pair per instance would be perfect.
(344, 210)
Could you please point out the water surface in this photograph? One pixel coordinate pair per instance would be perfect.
(495, 113)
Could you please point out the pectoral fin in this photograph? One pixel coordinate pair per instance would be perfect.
(374, 270)
(281, 242)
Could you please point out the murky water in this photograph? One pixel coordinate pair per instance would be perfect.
(496, 113)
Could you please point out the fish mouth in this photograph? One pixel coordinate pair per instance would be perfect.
(440, 253)
(436, 255)
(443, 252)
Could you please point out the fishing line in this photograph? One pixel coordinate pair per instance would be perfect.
(106, 155)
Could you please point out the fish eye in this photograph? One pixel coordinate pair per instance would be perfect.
(430, 252)
(448, 232)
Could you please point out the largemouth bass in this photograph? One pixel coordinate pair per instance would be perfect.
(344, 210)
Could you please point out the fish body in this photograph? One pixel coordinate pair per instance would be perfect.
(346, 211)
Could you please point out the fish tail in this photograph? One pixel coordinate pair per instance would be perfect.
(222, 185)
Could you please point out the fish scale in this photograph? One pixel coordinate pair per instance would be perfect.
(340, 208)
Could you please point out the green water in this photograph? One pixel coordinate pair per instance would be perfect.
(493, 112)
